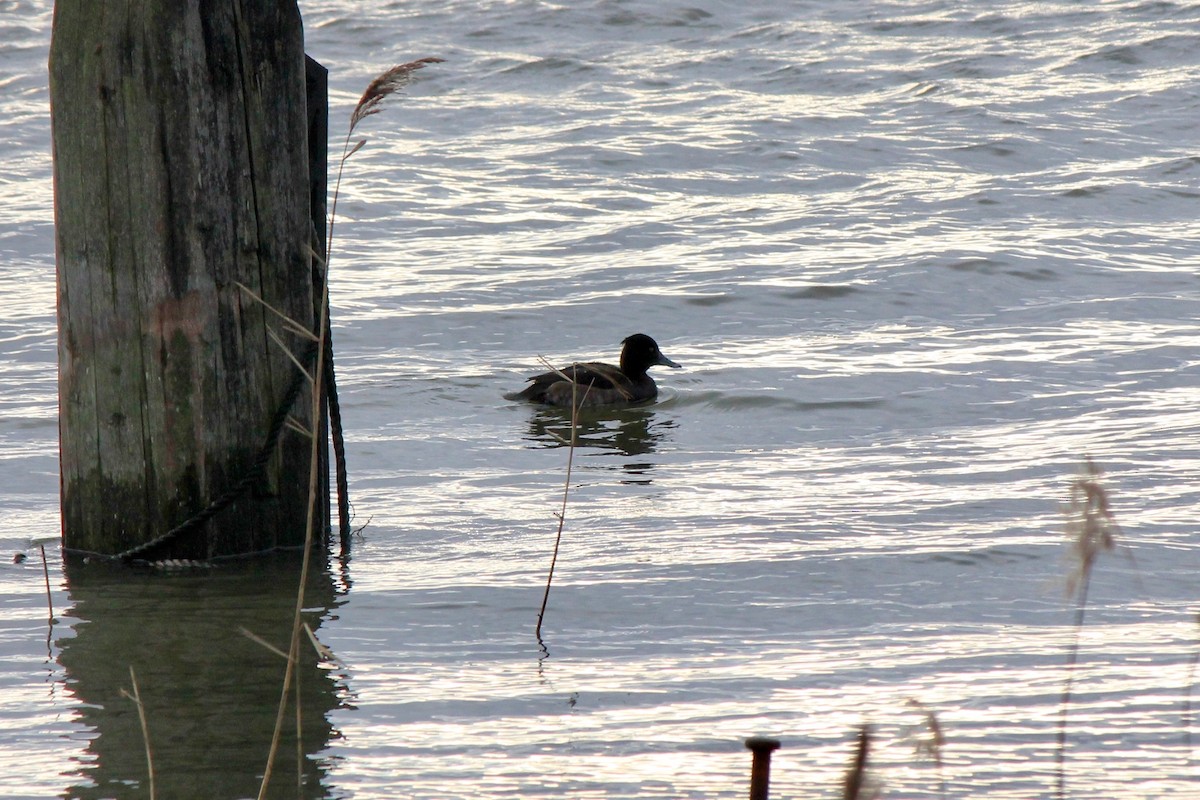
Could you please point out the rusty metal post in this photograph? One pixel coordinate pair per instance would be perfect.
(760, 769)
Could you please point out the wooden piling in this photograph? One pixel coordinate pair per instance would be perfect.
(181, 169)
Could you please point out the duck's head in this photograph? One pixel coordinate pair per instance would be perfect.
(639, 353)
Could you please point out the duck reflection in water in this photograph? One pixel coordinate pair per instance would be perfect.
(628, 431)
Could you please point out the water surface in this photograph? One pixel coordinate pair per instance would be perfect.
(918, 260)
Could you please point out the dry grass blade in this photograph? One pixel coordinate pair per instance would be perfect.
(262, 642)
(545, 362)
(316, 256)
(136, 697)
(288, 352)
(323, 651)
(289, 323)
(386, 85)
(558, 437)
(293, 425)
(614, 376)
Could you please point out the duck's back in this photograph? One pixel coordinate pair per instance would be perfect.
(590, 384)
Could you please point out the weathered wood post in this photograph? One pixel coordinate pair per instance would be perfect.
(180, 134)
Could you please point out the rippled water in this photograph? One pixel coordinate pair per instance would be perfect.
(918, 260)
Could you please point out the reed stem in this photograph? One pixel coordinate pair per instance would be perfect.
(562, 514)
(1091, 529)
(379, 89)
(1064, 701)
(136, 697)
(46, 575)
(1188, 716)
(313, 474)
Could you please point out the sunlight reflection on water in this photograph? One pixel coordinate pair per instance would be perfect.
(917, 260)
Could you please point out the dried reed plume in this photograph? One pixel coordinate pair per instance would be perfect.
(385, 85)
(1090, 525)
(1090, 528)
(934, 740)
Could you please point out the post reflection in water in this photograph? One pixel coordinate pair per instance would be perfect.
(210, 693)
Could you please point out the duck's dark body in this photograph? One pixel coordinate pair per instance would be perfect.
(597, 384)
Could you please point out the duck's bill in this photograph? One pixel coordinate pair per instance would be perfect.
(663, 361)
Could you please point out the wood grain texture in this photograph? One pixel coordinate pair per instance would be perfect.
(180, 134)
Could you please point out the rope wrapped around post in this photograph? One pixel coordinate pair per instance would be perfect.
(254, 473)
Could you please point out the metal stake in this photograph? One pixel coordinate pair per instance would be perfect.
(760, 769)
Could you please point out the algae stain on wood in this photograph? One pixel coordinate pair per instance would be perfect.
(180, 148)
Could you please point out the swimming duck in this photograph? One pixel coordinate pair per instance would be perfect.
(597, 384)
